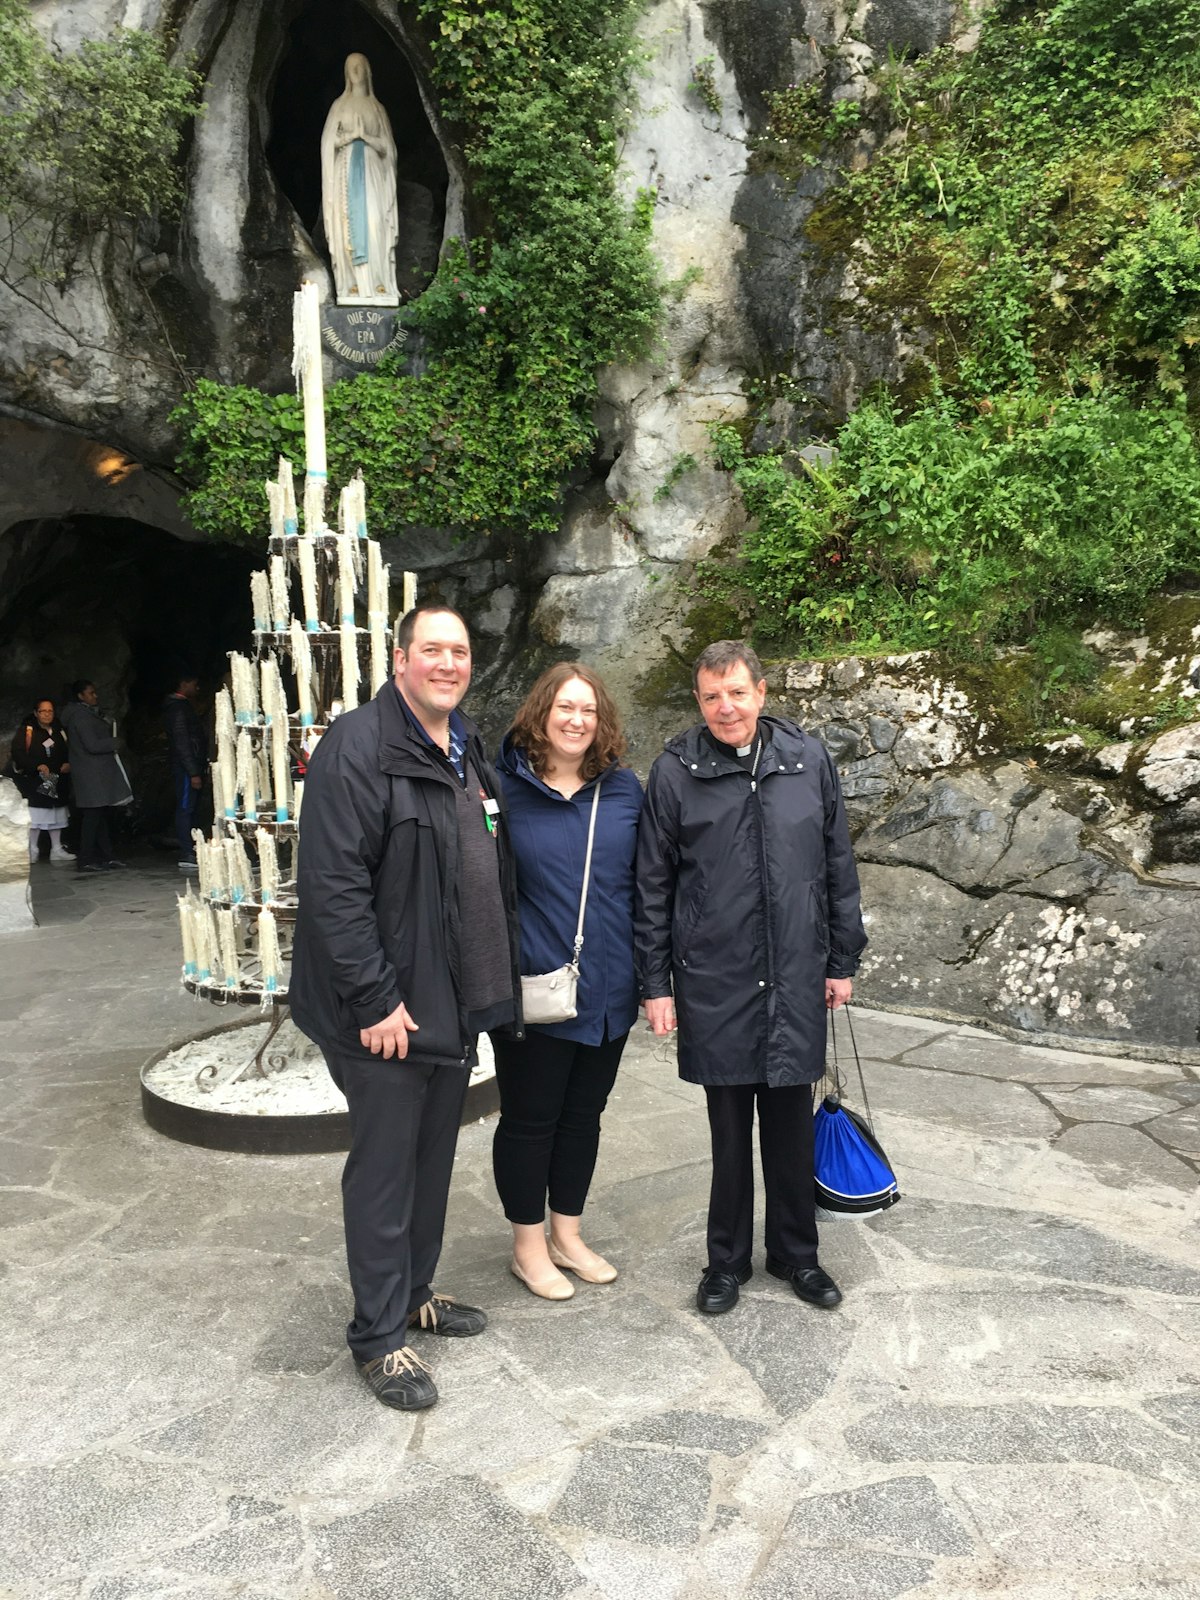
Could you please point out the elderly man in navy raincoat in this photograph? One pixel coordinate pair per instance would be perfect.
(748, 930)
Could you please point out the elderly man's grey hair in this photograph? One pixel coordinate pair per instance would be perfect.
(723, 656)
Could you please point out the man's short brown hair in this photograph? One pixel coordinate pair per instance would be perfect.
(723, 656)
(406, 626)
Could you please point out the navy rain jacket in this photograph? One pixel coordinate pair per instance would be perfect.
(549, 840)
(747, 901)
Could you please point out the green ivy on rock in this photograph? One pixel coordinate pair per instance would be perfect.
(517, 328)
(1028, 216)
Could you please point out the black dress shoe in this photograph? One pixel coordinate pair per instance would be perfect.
(811, 1283)
(718, 1289)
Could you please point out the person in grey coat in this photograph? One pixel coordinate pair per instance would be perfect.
(98, 779)
(748, 930)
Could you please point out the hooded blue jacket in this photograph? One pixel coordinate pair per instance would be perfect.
(548, 834)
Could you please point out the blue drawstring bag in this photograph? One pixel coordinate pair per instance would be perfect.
(851, 1172)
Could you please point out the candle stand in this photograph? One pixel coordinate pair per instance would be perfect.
(321, 646)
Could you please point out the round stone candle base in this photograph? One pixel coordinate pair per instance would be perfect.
(294, 1109)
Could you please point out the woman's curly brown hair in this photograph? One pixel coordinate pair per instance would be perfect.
(529, 725)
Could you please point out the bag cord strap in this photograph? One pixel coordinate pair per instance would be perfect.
(587, 871)
(837, 1073)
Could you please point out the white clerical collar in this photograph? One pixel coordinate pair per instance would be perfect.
(743, 749)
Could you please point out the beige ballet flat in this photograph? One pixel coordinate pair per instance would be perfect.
(596, 1271)
(555, 1288)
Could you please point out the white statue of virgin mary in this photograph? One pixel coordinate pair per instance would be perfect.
(358, 192)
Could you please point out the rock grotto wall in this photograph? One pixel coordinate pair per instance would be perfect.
(752, 301)
(757, 311)
(1057, 894)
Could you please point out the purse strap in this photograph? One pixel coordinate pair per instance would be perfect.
(587, 872)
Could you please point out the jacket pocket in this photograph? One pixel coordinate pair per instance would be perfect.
(687, 923)
(820, 918)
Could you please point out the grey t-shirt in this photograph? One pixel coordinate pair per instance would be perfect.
(487, 969)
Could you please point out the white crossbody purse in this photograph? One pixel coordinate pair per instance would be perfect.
(550, 996)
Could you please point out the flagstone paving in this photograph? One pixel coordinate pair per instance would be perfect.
(1006, 1404)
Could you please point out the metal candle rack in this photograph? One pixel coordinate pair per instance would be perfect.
(237, 930)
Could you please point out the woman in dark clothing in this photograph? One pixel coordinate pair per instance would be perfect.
(97, 776)
(39, 754)
(554, 1083)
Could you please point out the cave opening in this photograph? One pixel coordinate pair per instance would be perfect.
(310, 76)
(130, 607)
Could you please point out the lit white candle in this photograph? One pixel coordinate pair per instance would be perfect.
(281, 777)
(245, 689)
(200, 846)
(275, 507)
(262, 763)
(218, 871)
(276, 712)
(185, 933)
(306, 369)
(360, 504)
(297, 800)
(237, 869)
(202, 935)
(238, 689)
(267, 674)
(377, 622)
(308, 585)
(227, 944)
(225, 783)
(268, 866)
(346, 584)
(349, 648)
(281, 606)
(302, 667)
(314, 507)
(376, 578)
(214, 771)
(260, 601)
(247, 773)
(287, 492)
(409, 593)
(268, 953)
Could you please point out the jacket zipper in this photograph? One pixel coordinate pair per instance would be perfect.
(766, 893)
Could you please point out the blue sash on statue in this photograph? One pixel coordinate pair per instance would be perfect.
(357, 200)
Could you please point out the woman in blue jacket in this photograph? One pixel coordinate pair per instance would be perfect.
(554, 1083)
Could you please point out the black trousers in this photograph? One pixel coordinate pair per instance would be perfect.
(552, 1094)
(785, 1141)
(95, 840)
(187, 803)
(404, 1118)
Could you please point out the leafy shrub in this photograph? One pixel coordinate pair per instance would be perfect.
(969, 527)
(88, 141)
(1035, 206)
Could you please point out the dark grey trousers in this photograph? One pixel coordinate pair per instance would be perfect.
(404, 1118)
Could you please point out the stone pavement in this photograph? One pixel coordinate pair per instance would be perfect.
(1007, 1403)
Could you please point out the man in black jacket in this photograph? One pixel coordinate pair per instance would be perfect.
(748, 925)
(405, 951)
(187, 749)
